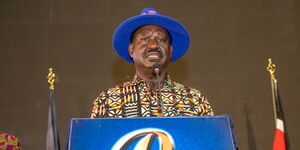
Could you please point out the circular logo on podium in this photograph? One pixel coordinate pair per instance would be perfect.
(144, 139)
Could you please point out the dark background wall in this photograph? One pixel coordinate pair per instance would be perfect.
(231, 41)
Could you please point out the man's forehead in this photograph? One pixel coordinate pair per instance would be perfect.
(143, 30)
(150, 28)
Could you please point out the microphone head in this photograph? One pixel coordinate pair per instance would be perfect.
(156, 67)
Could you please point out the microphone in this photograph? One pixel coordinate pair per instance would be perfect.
(156, 67)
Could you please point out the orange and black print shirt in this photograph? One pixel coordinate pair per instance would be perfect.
(136, 99)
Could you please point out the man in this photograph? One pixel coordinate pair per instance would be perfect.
(150, 41)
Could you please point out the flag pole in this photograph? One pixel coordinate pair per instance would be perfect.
(271, 68)
(52, 139)
(280, 138)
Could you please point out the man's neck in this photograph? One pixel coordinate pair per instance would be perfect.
(150, 77)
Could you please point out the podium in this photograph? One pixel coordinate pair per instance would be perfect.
(165, 133)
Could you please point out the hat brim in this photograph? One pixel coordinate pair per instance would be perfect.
(178, 33)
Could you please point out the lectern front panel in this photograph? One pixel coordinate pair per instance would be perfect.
(180, 133)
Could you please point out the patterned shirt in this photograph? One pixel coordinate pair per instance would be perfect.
(136, 99)
(9, 142)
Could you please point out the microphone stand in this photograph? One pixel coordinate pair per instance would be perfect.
(156, 70)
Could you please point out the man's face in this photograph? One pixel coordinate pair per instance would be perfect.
(151, 45)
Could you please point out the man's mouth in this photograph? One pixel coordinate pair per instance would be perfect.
(153, 55)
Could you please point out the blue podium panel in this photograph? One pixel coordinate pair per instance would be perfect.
(179, 133)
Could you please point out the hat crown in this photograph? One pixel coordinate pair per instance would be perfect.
(149, 11)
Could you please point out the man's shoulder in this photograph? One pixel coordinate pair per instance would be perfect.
(180, 86)
(118, 87)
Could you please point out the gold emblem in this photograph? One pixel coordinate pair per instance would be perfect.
(51, 79)
(151, 12)
(271, 68)
(145, 139)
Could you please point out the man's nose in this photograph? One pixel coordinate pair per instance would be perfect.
(153, 43)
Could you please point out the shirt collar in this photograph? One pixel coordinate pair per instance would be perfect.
(138, 81)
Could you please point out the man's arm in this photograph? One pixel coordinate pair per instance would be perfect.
(207, 108)
(203, 106)
(99, 107)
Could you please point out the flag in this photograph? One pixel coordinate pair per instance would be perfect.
(52, 139)
(280, 138)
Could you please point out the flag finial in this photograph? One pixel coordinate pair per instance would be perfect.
(271, 69)
(51, 79)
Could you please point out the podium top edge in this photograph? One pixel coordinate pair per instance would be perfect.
(177, 117)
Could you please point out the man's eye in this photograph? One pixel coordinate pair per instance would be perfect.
(145, 39)
(160, 40)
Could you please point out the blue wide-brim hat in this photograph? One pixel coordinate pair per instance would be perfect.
(149, 16)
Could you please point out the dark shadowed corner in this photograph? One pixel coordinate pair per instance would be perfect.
(250, 132)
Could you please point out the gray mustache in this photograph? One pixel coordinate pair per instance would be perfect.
(147, 52)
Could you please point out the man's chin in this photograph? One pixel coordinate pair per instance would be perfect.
(149, 63)
(154, 61)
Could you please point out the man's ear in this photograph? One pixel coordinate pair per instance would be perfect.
(130, 49)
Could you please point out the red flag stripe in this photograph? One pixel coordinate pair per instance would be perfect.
(279, 139)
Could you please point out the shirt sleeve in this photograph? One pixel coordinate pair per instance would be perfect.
(203, 106)
(207, 108)
(99, 107)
